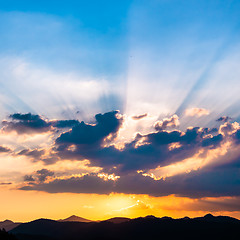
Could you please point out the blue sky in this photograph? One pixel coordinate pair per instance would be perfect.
(156, 56)
(59, 28)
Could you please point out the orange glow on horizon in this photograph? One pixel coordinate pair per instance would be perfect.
(23, 206)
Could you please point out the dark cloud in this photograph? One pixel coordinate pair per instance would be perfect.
(209, 183)
(164, 138)
(236, 136)
(196, 184)
(28, 178)
(38, 177)
(143, 153)
(86, 184)
(224, 119)
(215, 205)
(31, 123)
(4, 149)
(24, 117)
(212, 141)
(35, 153)
(26, 123)
(43, 174)
(5, 183)
(64, 123)
(138, 117)
(93, 142)
(39, 155)
(86, 134)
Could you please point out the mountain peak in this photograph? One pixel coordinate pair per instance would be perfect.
(7, 221)
(150, 216)
(75, 218)
(118, 219)
(209, 216)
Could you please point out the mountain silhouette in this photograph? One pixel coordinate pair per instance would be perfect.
(150, 227)
(8, 225)
(210, 218)
(75, 218)
(118, 219)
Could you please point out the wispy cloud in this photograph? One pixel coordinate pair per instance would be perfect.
(198, 112)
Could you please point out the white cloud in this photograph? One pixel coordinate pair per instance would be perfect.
(32, 88)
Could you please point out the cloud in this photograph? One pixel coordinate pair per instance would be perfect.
(230, 204)
(39, 175)
(143, 153)
(34, 154)
(43, 174)
(26, 123)
(30, 123)
(88, 134)
(64, 123)
(195, 184)
(134, 161)
(236, 136)
(212, 141)
(138, 117)
(28, 178)
(90, 183)
(224, 119)
(229, 128)
(37, 155)
(4, 149)
(167, 122)
(198, 112)
(5, 183)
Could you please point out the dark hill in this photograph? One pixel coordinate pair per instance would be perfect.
(118, 219)
(150, 227)
(211, 218)
(8, 225)
(6, 236)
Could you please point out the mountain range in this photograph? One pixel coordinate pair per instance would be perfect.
(149, 227)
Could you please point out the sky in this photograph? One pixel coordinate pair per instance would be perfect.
(119, 108)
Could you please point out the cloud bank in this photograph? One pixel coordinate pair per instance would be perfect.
(134, 166)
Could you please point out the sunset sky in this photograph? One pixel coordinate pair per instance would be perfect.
(119, 108)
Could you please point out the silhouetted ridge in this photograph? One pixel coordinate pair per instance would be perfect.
(185, 218)
(118, 219)
(166, 218)
(150, 216)
(211, 218)
(149, 227)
